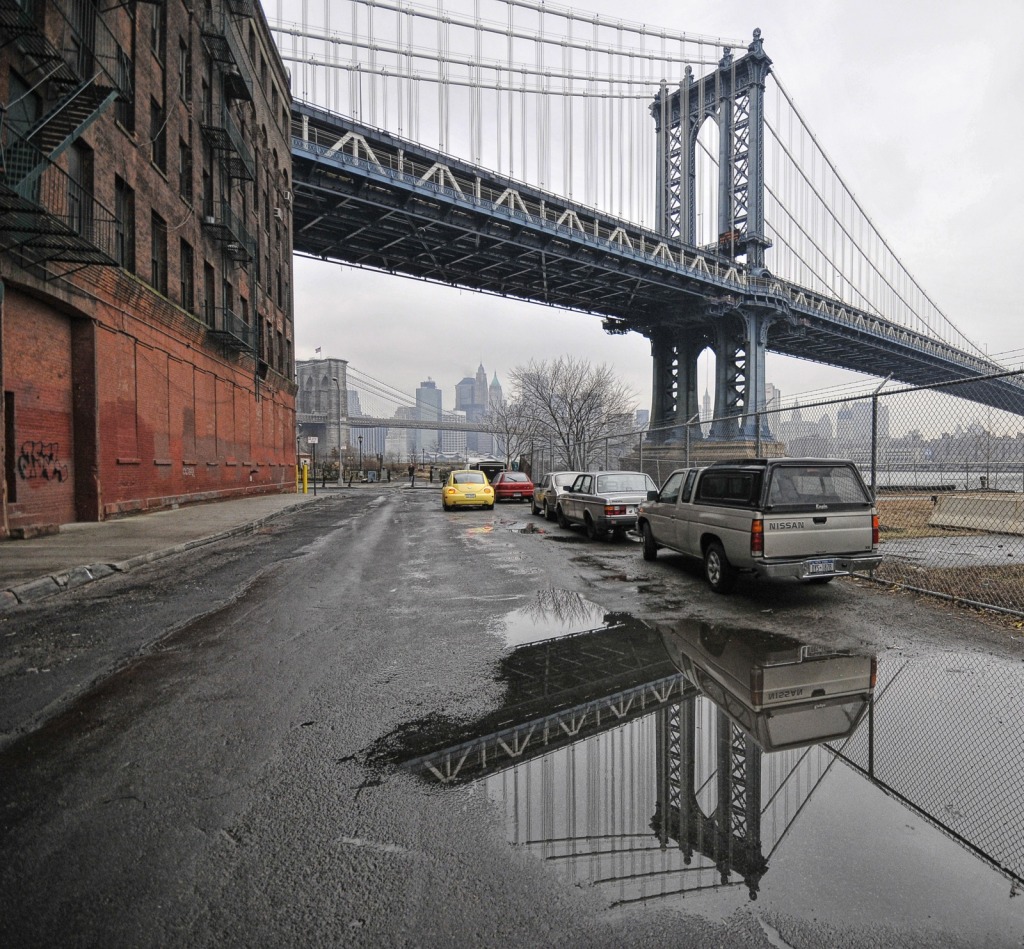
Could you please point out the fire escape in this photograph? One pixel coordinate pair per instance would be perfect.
(226, 140)
(45, 214)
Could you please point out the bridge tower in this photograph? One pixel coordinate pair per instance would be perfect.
(733, 97)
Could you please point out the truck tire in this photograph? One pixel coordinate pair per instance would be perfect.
(719, 573)
(650, 547)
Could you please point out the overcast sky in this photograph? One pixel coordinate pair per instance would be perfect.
(918, 103)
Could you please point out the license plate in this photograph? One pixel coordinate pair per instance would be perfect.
(821, 566)
(517, 495)
(470, 495)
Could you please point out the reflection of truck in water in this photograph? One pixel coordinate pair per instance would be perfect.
(780, 691)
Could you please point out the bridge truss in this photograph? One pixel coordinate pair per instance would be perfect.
(365, 197)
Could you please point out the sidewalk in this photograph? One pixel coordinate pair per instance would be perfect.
(42, 566)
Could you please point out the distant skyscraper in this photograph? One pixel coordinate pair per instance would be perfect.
(474, 396)
(494, 396)
(428, 405)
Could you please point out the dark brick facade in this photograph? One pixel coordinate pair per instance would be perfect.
(148, 360)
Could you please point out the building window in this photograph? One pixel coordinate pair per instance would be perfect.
(79, 193)
(124, 106)
(185, 170)
(188, 277)
(158, 253)
(208, 209)
(184, 71)
(209, 294)
(124, 224)
(158, 135)
(157, 30)
(206, 105)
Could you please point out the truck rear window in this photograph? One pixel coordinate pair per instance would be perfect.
(816, 484)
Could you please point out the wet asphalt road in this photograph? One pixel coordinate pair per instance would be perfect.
(213, 780)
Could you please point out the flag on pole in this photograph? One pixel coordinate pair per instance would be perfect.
(317, 350)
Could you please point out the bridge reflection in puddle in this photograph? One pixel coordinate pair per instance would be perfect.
(721, 765)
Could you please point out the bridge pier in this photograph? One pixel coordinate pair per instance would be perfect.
(738, 339)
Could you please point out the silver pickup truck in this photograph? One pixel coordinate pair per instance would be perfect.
(809, 519)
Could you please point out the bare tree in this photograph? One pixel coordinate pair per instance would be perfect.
(513, 427)
(575, 405)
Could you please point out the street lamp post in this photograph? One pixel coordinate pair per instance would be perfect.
(360, 455)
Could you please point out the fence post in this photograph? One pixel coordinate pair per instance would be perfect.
(757, 443)
(874, 445)
(606, 452)
(641, 451)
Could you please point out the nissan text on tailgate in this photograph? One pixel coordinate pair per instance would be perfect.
(806, 519)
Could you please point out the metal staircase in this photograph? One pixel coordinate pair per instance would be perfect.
(85, 77)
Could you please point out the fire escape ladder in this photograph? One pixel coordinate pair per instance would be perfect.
(55, 132)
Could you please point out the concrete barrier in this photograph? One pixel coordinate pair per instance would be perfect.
(993, 513)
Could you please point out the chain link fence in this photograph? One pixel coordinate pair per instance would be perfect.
(946, 463)
(944, 737)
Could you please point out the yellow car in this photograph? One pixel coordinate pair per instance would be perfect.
(467, 489)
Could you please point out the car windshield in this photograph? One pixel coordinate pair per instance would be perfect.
(563, 479)
(468, 477)
(608, 484)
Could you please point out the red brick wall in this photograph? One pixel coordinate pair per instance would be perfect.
(37, 369)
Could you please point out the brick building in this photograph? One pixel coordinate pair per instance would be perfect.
(146, 336)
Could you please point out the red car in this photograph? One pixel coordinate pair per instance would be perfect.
(512, 486)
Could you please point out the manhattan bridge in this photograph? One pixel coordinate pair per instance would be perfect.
(662, 181)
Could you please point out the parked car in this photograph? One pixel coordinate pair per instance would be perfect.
(546, 494)
(512, 486)
(466, 488)
(809, 519)
(603, 501)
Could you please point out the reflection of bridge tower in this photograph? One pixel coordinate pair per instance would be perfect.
(733, 97)
(730, 835)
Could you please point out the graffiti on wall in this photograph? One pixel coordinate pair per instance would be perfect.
(41, 460)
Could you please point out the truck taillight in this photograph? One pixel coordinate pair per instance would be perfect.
(756, 686)
(874, 530)
(757, 536)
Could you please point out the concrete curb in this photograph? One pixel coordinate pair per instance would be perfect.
(31, 591)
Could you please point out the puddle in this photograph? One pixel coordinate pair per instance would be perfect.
(706, 767)
(526, 527)
(552, 613)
